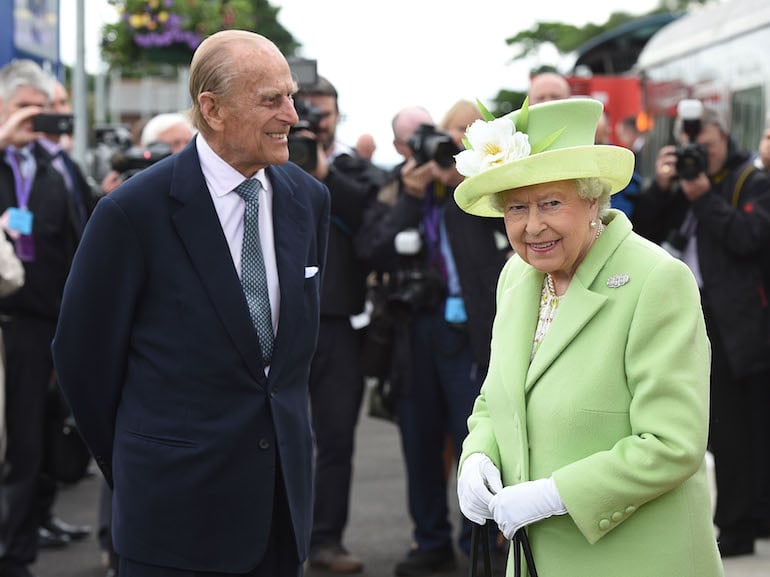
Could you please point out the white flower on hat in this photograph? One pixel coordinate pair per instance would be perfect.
(489, 144)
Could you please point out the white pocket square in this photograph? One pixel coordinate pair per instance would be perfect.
(311, 271)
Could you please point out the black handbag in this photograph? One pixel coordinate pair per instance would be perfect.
(520, 543)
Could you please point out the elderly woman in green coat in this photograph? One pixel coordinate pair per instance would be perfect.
(590, 429)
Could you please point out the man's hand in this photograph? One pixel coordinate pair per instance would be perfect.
(416, 178)
(111, 181)
(17, 130)
(519, 505)
(478, 482)
(665, 167)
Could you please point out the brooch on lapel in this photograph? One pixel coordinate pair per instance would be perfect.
(617, 280)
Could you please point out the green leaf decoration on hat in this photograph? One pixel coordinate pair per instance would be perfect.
(546, 142)
(522, 122)
(485, 114)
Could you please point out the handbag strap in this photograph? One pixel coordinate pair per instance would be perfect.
(521, 543)
(479, 532)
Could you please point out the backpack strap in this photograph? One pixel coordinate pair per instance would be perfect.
(739, 183)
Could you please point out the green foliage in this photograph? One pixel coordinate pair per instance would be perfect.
(567, 38)
(151, 34)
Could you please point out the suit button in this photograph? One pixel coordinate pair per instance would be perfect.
(264, 444)
(272, 394)
(617, 516)
(630, 509)
(604, 524)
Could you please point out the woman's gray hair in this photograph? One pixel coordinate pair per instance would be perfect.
(591, 188)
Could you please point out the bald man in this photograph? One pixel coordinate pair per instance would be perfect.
(548, 86)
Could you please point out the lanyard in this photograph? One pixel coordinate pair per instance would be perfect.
(23, 185)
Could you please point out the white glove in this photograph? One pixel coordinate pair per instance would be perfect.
(519, 505)
(478, 482)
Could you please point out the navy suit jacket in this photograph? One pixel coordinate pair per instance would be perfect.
(158, 358)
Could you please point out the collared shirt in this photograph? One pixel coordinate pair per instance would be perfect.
(221, 180)
(58, 162)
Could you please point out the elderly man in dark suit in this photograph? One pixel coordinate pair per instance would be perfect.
(197, 417)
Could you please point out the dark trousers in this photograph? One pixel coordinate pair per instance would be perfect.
(438, 401)
(739, 439)
(29, 368)
(280, 558)
(336, 390)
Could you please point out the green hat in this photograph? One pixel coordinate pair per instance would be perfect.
(546, 142)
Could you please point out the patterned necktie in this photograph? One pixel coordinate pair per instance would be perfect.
(253, 275)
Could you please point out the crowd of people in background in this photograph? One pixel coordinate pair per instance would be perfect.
(392, 231)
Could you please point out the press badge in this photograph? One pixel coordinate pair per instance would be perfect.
(20, 220)
(454, 311)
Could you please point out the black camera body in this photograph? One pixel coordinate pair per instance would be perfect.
(135, 159)
(691, 158)
(52, 123)
(303, 150)
(415, 285)
(428, 143)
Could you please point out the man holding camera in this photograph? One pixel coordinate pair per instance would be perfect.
(407, 235)
(37, 215)
(336, 380)
(709, 206)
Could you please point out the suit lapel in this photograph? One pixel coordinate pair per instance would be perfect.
(579, 306)
(518, 309)
(199, 229)
(289, 231)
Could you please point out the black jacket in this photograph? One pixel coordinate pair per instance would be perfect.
(733, 243)
(353, 183)
(55, 236)
(479, 248)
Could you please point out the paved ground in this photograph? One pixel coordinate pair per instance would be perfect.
(378, 530)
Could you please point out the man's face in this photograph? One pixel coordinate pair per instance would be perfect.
(60, 102)
(176, 137)
(255, 116)
(327, 127)
(715, 143)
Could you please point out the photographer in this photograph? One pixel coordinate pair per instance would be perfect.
(38, 216)
(709, 206)
(336, 380)
(411, 238)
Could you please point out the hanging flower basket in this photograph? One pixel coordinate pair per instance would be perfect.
(169, 31)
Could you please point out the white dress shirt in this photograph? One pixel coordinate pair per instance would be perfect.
(221, 180)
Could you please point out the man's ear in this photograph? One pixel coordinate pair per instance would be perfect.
(210, 110)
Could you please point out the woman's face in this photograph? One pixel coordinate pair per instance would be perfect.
(549, 226)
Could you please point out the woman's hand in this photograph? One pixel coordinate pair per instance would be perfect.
(478, 482)
(519, 505)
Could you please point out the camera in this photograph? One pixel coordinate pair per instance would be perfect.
(691, 158)
(303, 150)
(135, 159)
(51, 123)
(428, 143)
(415, 285)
